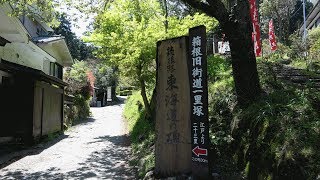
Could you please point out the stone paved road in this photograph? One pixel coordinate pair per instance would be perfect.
(96, 149)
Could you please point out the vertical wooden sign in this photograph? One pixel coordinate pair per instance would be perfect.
(199, 102)
(173, 138)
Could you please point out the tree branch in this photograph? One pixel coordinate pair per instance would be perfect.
(214, 8)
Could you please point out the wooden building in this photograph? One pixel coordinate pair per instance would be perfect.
(31, 86)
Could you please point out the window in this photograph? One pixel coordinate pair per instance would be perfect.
(52, 70)
(56, 70)
(60, 72)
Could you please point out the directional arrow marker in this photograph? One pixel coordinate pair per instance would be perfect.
(199, 151)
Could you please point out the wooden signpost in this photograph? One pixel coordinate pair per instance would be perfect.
(197, 65)
(182, 130)
(173, 139)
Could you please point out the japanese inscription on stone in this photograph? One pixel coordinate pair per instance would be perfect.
(199, 100)
(173, 139)
(171, 98)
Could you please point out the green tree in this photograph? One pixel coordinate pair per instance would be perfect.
(105, 77)
(287, 16)
(43, 9)
(127, 32)
(280, 11)
(78, 49)
(79, 86)
(296, 18)
(64, 29)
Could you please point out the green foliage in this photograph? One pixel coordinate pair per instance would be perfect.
(105, 77)
(177, 8)
(79, 87)
(127, 38)
(127, 32)
(221, 102)
(296, 18)
(286, 14)
(180, 26)
(142, 133)
(305, 55)
(297, 47)
(34, 8)
(280, 11)
(76, 77)
(83, 108)
(314, 40)
(283, 124)
(70, 115)
(314, 35)
(217, 67)
(276, 136)
(282, 52)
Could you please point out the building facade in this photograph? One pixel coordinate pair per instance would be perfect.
(313, 18)
(32, 58)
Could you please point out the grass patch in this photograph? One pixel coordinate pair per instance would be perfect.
(142, 134)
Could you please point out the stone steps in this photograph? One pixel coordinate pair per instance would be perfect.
(296, 76)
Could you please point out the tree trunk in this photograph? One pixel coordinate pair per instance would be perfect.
(166, 23)
(245, 74)
(144, 92)
(238, 28)
(153, 104)
(145, 98)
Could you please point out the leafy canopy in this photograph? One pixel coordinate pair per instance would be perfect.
(127, 31)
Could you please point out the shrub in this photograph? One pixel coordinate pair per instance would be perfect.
(314, 40)
(217, 66)
(275, 137)
(282, 52)
(142, 133)
(80, 83)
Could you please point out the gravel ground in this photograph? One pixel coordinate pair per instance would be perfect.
(94, 149)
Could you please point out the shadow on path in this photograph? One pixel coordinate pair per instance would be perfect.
(12, 152)
(84, 121)
(108, 163)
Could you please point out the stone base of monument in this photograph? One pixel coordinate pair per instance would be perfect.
(151, 176)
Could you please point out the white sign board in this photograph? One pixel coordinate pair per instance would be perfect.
(109, 94)
(223, 47)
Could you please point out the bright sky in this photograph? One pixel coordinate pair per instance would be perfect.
(78, 20)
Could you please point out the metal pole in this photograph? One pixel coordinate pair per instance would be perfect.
(304, 21)
(304, 38)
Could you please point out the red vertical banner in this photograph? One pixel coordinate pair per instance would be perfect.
(272, 36)
(256, 34)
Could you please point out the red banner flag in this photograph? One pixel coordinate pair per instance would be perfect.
(272, 36)
(256, 34)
